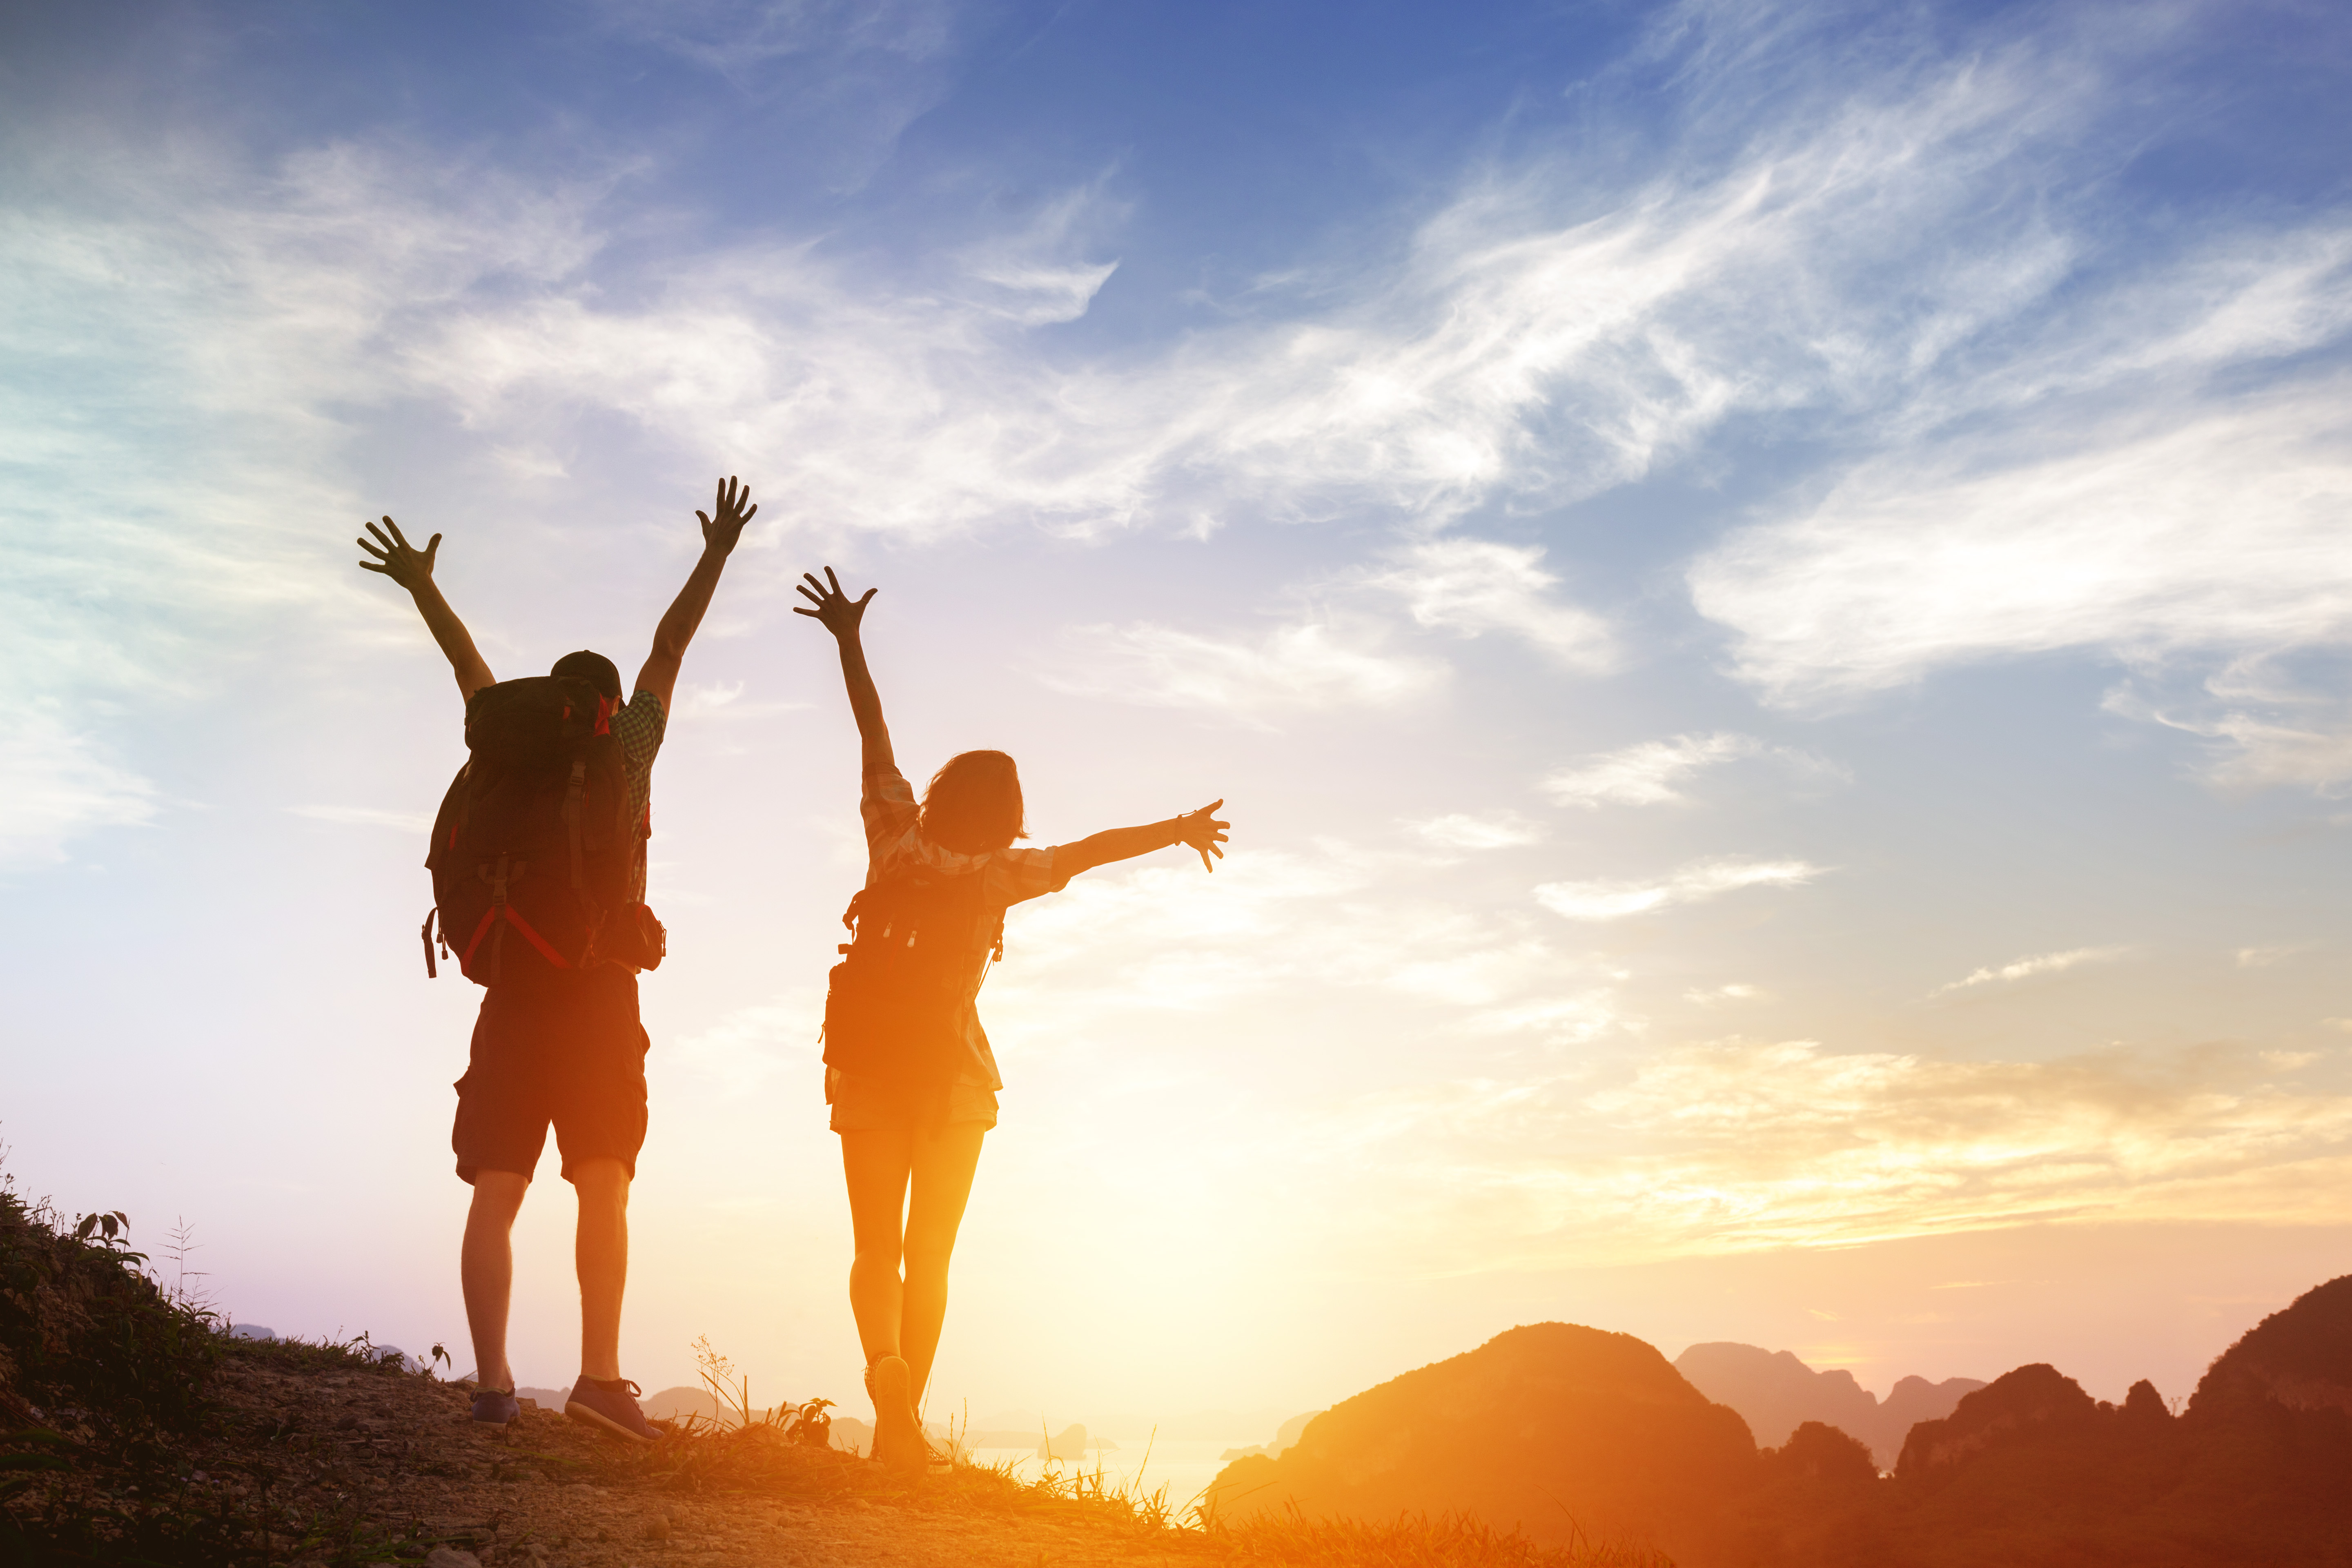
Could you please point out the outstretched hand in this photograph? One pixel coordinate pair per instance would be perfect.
(734, 509)
(836, 611)
(396, 558)
(1203, 833)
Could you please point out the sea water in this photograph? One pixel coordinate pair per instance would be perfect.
(1185, 1467)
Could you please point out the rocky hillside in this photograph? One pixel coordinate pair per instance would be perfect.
(1554, 1429)
(135, 1433)
(2026, 1471)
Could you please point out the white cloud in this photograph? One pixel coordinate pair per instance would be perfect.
(733, 35)
(1539, 340)
(1737, 1144)
(1575, 1020)
(55, 784)
(1646, 774)
(1490, 830)
(1694, 883)
(1315, 665)
(1474, 586)
(2185, 529)
(749, 1047)
(417, 823)
(847, 76)
(2269, 722)
(2027, 968)
(1346, 925)
(724, 703)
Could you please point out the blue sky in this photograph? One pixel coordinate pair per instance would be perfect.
(1765, 585)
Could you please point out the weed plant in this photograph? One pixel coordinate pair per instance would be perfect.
(780, 1453)
(105, 1375)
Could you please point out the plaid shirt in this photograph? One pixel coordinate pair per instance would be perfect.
(639, 727)
(895, 840)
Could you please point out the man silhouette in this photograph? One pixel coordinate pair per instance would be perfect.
(562, 1047)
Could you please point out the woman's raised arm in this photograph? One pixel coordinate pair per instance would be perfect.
(1198, 829)
(840, 615)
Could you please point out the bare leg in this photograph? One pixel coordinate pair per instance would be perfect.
(944, 1163)
(486, 1269)
(601, 1253)
(876, 1164)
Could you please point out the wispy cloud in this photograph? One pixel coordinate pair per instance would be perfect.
(2027, 968)
(851, 75)
(417, 823)
(1737, 1144)
(2187, 528)
(2275, 718)
(1647, 773)
(748, 1047)
(1491, 830)
(1313, 664)
(724, 703)
(1694, 883)
(1474, 586)
(55, 784)
(1539, 340)
(1337, 921)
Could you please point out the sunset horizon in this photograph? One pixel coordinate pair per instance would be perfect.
(1764, 589)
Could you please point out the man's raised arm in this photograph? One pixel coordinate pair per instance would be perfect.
(413, 569)
(733, 509)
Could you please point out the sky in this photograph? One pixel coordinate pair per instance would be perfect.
(1766, 586)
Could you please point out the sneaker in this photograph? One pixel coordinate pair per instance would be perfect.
(897, 1435)
(497, 1406)
(612, 1406)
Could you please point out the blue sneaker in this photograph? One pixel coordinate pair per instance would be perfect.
(612, 1406)
(497, 1406)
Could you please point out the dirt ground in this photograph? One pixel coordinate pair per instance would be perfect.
(396, 1458)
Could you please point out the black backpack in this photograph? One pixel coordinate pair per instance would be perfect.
(892, 1001)
(534, 857)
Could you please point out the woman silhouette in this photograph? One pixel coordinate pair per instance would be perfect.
(911, 1127)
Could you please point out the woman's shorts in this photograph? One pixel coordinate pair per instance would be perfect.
(868, 1105)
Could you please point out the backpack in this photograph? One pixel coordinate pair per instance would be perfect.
(533, 856)
(891, 1005)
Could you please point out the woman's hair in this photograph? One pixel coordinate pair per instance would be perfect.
(972, 806)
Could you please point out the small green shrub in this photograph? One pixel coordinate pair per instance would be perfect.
(86, 1340)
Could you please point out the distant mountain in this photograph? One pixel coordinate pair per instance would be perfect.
(1552, 1429)
(1776, 1393)
(684, 1400)
(1181, 1426)
(1070, 1443)
(1285, 1437)
(1554, 1423)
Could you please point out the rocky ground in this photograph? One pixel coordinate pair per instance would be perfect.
(345, 1463)
(135, 1433)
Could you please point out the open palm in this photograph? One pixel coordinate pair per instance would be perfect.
(836, 611)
